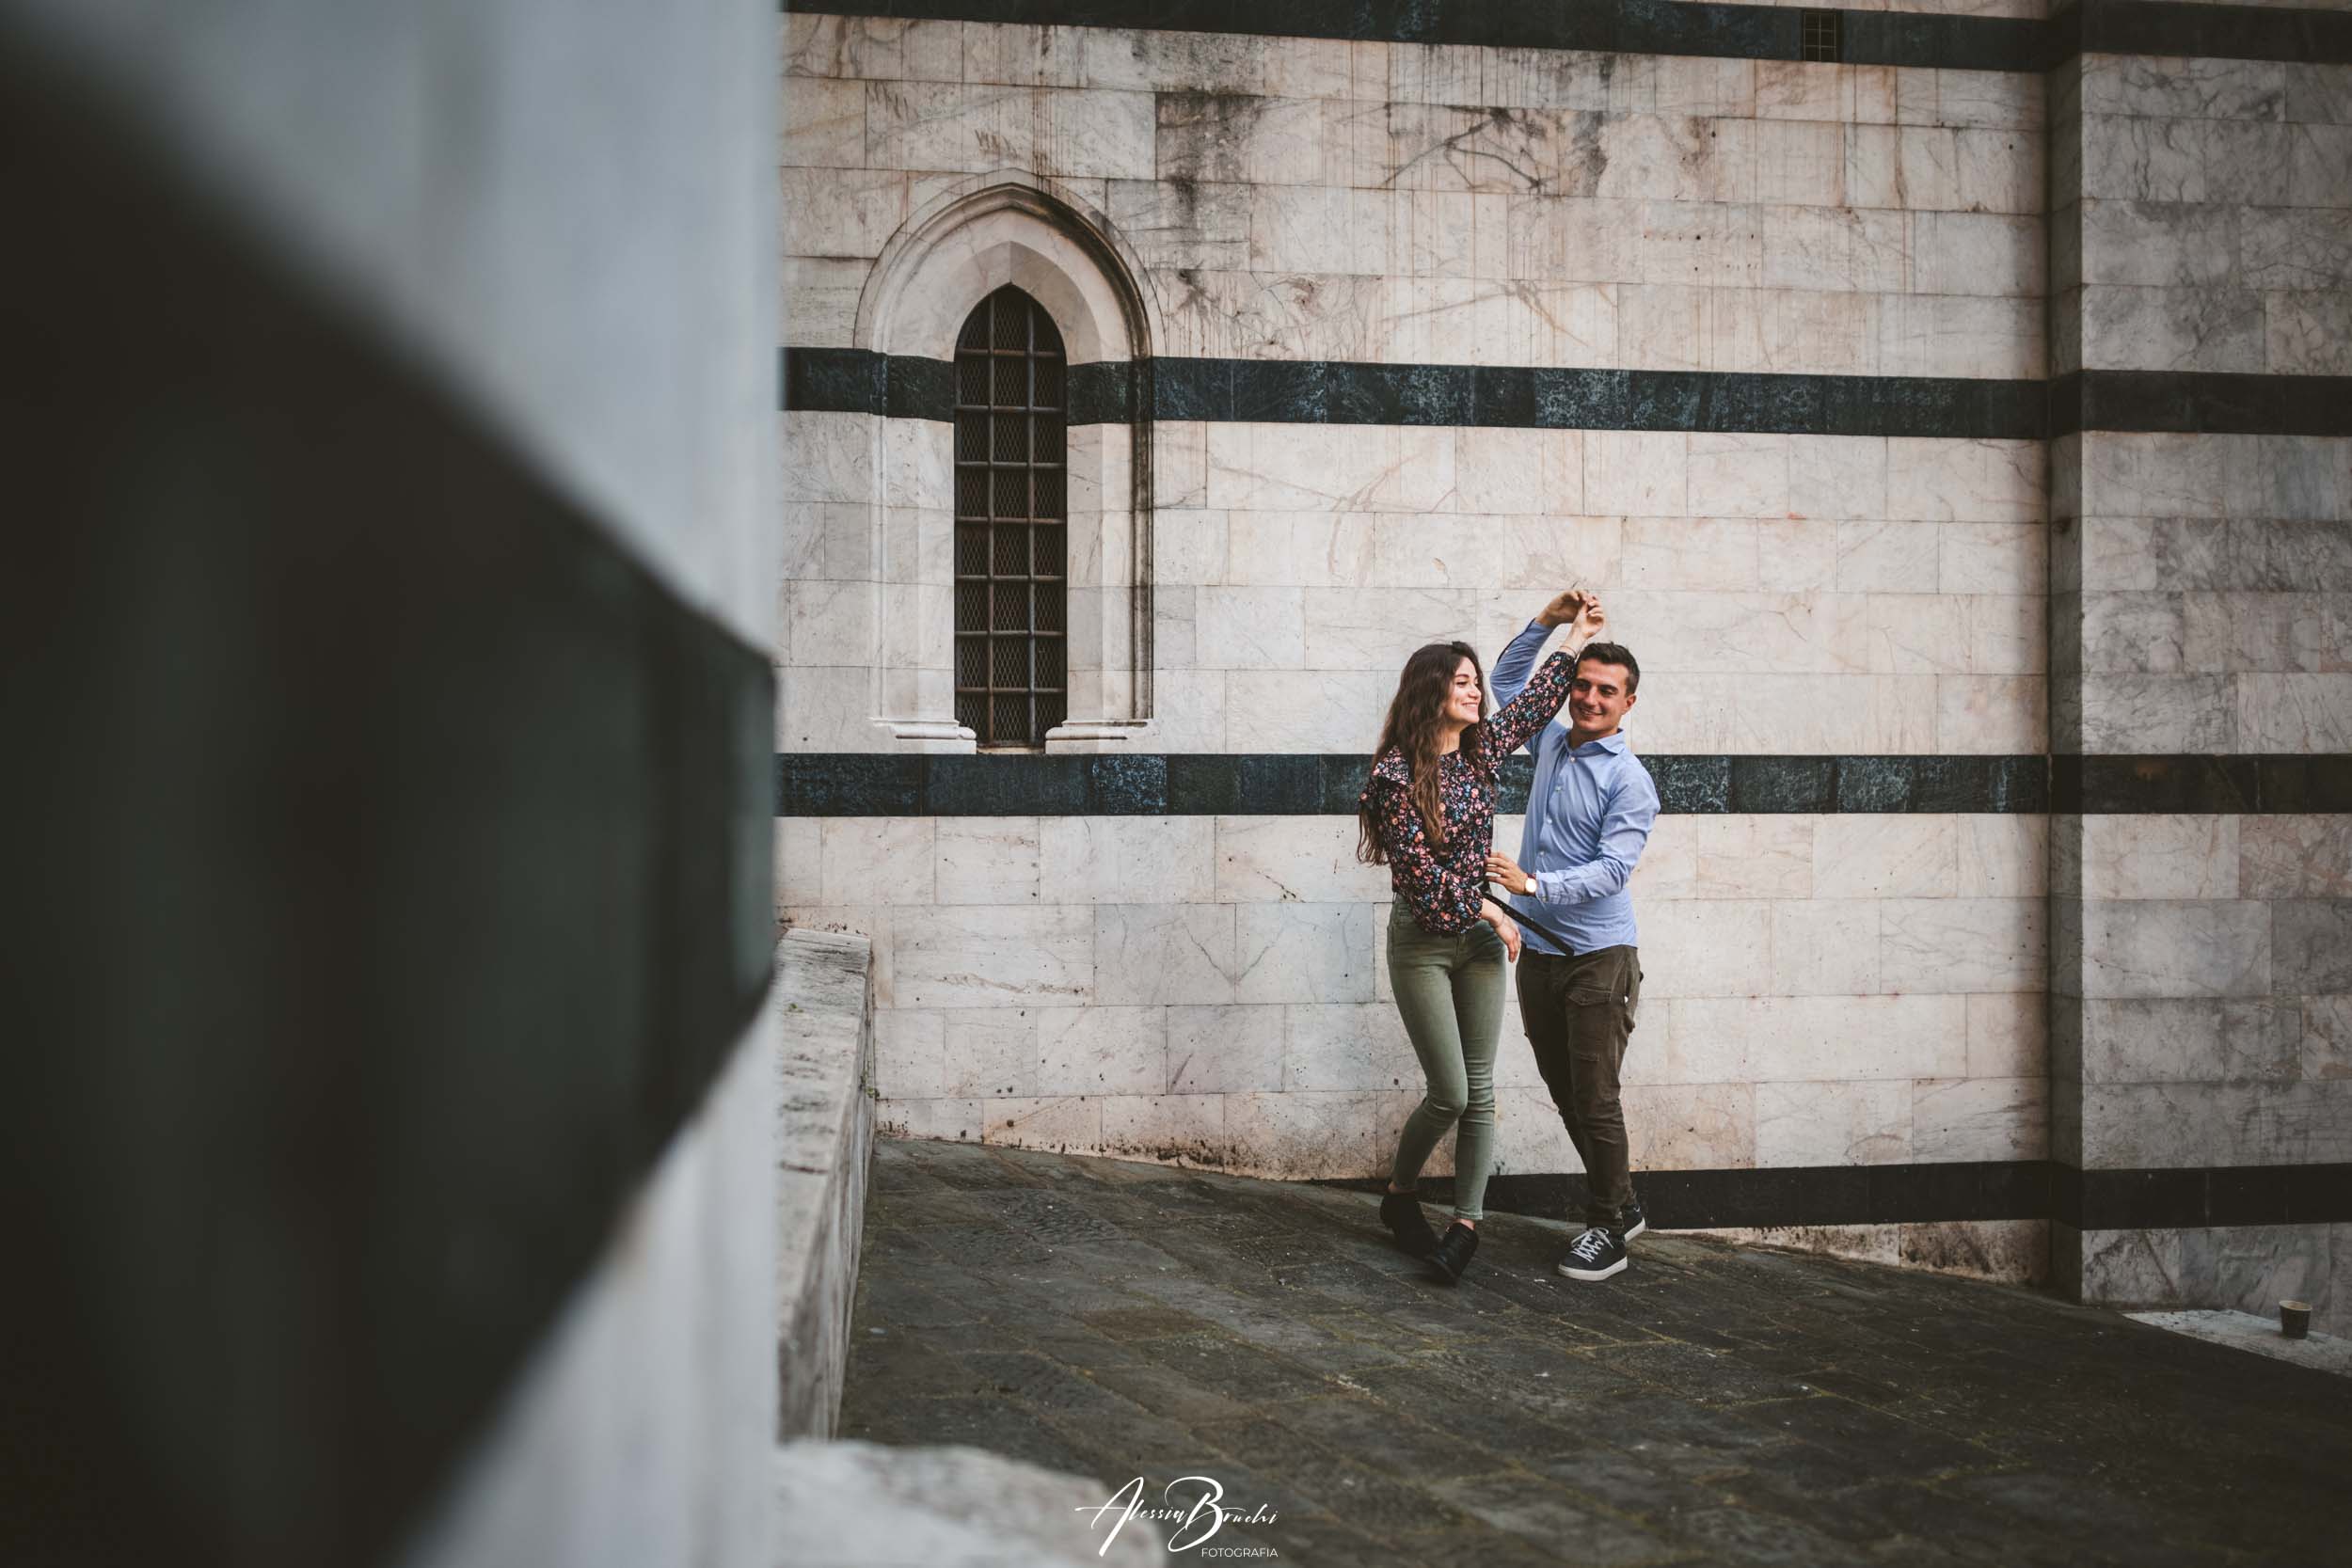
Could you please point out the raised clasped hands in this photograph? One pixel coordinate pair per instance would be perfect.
(1580, 610)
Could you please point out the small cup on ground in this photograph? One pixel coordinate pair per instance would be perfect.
(2295, 1319)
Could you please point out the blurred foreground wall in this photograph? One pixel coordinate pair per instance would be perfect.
(386, 623)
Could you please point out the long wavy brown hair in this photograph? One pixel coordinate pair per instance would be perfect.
(1415, 715)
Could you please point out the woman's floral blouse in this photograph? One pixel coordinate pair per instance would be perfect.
(1442, 887)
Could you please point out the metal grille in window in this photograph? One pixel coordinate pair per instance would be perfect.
(1822, 35)
(1010, 519)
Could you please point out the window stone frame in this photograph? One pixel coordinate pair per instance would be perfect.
(1016, 229)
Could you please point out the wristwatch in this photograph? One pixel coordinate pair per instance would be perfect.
(1529, 890)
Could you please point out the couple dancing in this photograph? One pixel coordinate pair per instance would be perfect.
(1428, 815)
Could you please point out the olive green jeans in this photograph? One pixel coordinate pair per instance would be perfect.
(1449, 991)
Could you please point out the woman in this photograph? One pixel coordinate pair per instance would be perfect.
(1428, 813)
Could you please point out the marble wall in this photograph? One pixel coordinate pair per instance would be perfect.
(1824, 989)
(1895, 585)
(1893, 588)
(1410, 203)
(2202, 593)
(1820, 990)
(1400, 203)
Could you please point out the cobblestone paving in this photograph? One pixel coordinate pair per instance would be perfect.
(1712, 1404)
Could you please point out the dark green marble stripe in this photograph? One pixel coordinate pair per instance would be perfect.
(1320, 784)
(1669, 27)
(1194, 784)
(1314, 391)
(1925, 1194)
(2202, 403)
(1321, 391)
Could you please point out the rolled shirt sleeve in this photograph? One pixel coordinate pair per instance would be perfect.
(1519, 658)
(1625, 828)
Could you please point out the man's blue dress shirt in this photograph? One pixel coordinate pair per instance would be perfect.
(1588, 815)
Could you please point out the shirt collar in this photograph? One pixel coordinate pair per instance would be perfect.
(1606, 743)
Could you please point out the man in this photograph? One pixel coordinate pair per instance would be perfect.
(1580, 975)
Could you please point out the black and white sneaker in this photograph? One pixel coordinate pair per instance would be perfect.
(1596, 1254)
(1631, 1222)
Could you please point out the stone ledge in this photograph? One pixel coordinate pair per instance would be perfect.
(823, 1007)
(870, 1504)
(2244, 1331)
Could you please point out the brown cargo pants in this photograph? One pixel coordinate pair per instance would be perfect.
(1579, 1013)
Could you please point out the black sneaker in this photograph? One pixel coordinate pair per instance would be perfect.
(1401, 1212)
(1453, 1255)
(1596, 1254)
(1631, 1222)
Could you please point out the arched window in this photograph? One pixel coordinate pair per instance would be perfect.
(1009, 531)
(1011, 522)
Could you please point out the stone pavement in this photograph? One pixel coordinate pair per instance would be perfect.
(1715, 1403)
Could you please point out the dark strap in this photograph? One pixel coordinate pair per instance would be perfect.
(1566, 947)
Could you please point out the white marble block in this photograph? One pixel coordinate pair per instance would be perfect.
(991, 956)
(1163, 953)
(877, 860)
(987, 860)
(1129, 860)
(1818, 1038)
(910, 1054)
(1304, 953)
(1833, 1124)
(1341, 1046)
(2161, 947)
(1826, 947)
(1225, 1050)
(2152, 856)
(2283, 855)
(1886, 856)
(1308, 860)
(2189, 1041)
(989, 1052)
(1980, 1119)
(1102, 1050)
(1692, 1127)
(1961, 945)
